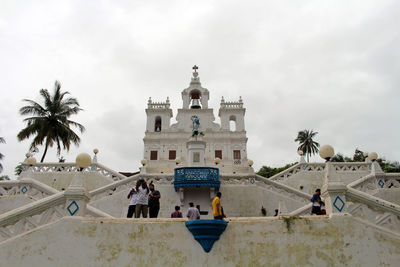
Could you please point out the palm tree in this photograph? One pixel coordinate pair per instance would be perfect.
(307, 144)
(50, 123)
(1, 155)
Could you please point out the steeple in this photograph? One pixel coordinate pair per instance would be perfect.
(195, 78)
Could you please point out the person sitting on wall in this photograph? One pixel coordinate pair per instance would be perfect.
(193, 213)
(217, 208)
(132, 205)
(317, 202)
(154, 201)
(177, 213)
(142, 199)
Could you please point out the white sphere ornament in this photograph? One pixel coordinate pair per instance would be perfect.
(372, 156)
(31, 161)
(178, 161)
(217, 161)
(95, 151)
(300, 152)
(28, 155)
(250, 162)
(365, 154)
(83, 160)
(326, 152)
(143, 162)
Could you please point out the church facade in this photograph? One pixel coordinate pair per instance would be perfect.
(166, 144)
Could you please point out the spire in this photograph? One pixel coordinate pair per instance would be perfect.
(195, 78)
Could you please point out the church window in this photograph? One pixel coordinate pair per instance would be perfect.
(157, 124)
(236, 154)
(172, 155)
(153, 155)
(196, 157)
(218, 154)
(232, 123)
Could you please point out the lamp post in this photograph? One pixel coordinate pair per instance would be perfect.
(301, 154)
(326, 152)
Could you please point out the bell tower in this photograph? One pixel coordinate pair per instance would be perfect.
(195, 96)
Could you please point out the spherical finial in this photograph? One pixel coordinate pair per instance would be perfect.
(143, 162)
(326, 152)
(250, 162)
(28, 155)
(95, 151)
(83, 160)
(365, 154)
(31, 161)
(178, 161)
(300, 152)
(372, 156)
(217, 161)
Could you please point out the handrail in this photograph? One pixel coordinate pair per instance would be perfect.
(43, 188)
(92, 211)
(113, 185)
(301, 210)
(31, 209)
(278, 175)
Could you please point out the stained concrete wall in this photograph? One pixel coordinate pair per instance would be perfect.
(237, 200)
(308, 241)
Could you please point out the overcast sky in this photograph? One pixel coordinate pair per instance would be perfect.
(329, 66)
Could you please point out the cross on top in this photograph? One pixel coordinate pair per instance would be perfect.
(195, 68)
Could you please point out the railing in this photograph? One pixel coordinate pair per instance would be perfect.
(196, 176)
(237, 162)
(72, 167)
(27, 187)
(303, 211)
(370, 184)
(231, 105)
(374, 210)
(320, 167)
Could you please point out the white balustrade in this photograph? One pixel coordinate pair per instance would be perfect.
(27, 187)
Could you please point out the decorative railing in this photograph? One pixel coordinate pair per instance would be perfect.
(303, 211)
(27, 187)
(231, 105)
(352, 166)
(196, 176)
(237, 162)
(320, 167)
(371, 184)
(72, 167)
(373, 210)
(37, 213)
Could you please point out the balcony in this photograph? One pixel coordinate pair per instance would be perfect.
(196, 176)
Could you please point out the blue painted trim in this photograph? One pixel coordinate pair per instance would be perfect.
(206, 232)
(72, 213)
(24, 189)
(336, 206)
(381, 183)
(196, 176)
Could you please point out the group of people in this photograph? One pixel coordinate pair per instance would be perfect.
(143, 199)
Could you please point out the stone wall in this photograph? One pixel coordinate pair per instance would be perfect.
(308, 241)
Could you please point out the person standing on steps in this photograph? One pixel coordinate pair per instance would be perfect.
(142, 199)
(217, 208)
(177, 213)
(132, 205)
(317, 202)
(154, 201)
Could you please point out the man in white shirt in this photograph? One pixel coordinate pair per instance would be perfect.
(193, 213)
(132, 205)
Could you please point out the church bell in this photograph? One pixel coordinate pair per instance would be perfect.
(195, 104)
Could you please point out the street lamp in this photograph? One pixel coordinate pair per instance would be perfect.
(326, 152)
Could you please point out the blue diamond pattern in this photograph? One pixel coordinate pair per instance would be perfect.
(24, 189)
(252, 180)
(338, 203)
(304, 167)
(381, 183)
(73, 208)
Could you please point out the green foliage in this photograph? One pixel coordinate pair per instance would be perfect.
(18, 169)
(4, 178)
(267, 171)
(387, 166)
(49, 123)
(306, 142)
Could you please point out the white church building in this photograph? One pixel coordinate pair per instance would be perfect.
(167, 145)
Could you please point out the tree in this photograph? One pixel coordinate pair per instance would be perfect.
(1, 155)
(267, 171)
(50, 123)
(306, 142)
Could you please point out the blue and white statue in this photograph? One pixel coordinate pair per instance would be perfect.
(196, 124)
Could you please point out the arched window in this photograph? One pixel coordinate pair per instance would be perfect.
(157, 124)
(195, 96)
(232, 123)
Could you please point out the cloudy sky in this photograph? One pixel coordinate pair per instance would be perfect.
(330, 66)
